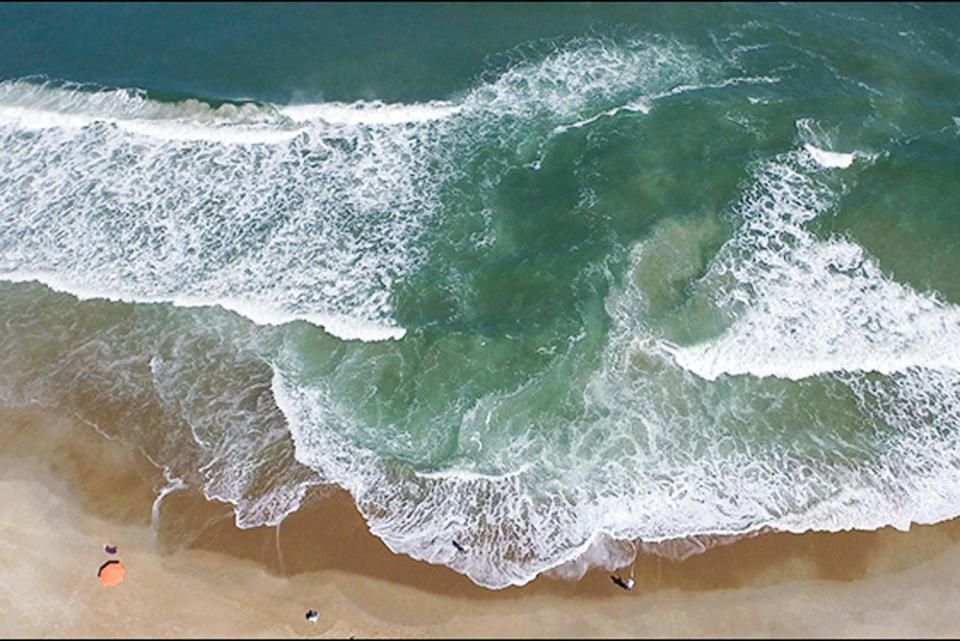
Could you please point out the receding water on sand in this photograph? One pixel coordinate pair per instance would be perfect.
(651, 280)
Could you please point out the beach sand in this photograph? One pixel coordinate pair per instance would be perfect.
(65, 491)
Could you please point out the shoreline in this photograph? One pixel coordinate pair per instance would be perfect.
(65, 491)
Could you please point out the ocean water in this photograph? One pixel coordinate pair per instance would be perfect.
(547, 280)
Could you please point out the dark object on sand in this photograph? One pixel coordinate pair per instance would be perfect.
(312, 616)
(626, 585)
(459, 547)
(110, 549)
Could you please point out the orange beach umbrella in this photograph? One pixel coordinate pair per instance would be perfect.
(111, 573)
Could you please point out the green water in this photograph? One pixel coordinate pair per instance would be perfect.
(534, 278)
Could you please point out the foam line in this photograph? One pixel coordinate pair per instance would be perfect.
(370, 113)
(814, 306)
(829, 159)
(308, 212)
(233, 206)
(656, 440)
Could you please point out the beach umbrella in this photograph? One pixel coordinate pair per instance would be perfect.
(111, 573)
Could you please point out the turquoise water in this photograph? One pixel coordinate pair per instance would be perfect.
(539, 279)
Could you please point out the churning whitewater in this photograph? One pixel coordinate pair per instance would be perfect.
(599, 295)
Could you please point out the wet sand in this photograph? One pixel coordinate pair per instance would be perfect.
(65, 491)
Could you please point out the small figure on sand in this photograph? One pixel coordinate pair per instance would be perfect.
(626, 584)
(459, 547)
(110, 549)
(312, 616)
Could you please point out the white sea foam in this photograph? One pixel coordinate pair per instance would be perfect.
(811, 306)
(818, 141)
(320, 226)
(242, 453)
(29, 118)
(662, 455)
(829, 159)
(892, 468)
(31, 106)
(571, 515)
(644, 105)
(305, 212)
(180, 388)
(174, 484)
(590, 71)
(236, 206)
(659, 455)
(728, 82)
(803, 308)
(370, 113)
(470, 475)
(343, 327)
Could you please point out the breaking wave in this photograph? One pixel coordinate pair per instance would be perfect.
(276, 212)
(742, 371)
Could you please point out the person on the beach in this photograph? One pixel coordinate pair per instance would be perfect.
(312, 616)
(626, 584)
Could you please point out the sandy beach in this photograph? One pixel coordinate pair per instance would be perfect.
(65, 491)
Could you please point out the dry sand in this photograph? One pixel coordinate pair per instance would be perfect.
(65, 491)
